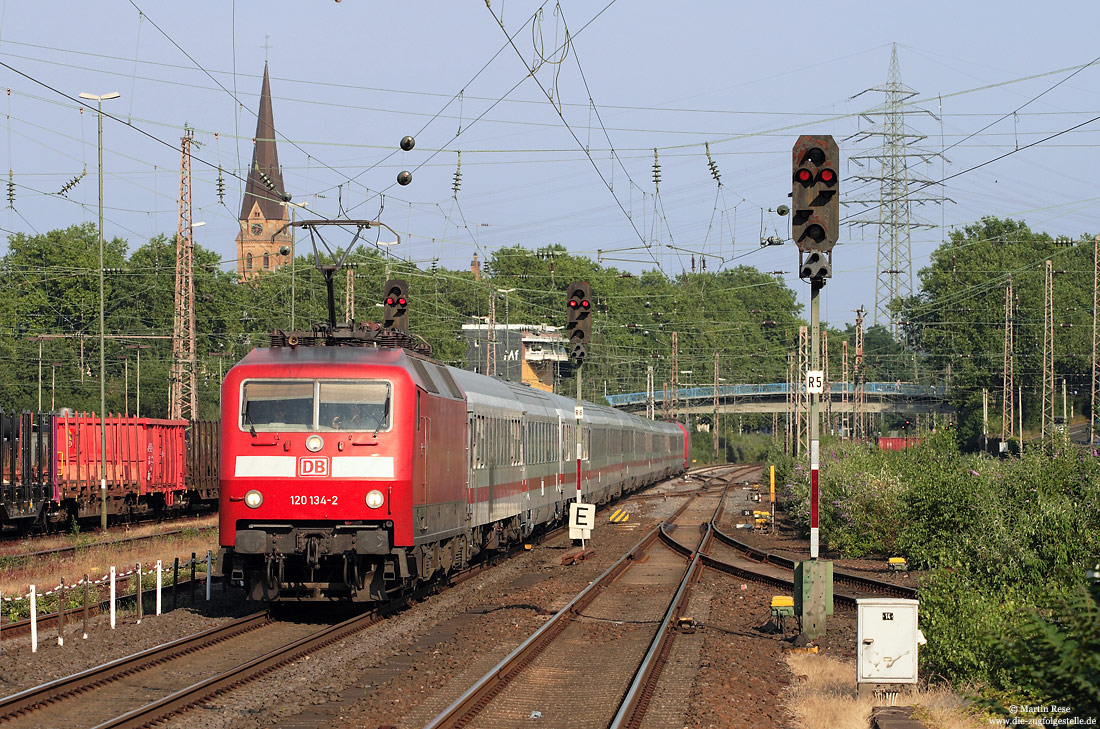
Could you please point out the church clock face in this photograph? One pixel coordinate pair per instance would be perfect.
(257, 229)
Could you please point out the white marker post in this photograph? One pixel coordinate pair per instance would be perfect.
(34, 620)
(158, 586)
(112, 597)
(582, 518)
(209, 559)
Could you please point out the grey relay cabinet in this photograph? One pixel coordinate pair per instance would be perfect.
(887, 641)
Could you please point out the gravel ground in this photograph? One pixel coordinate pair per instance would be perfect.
(406, 670)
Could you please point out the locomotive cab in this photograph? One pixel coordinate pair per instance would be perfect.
(316, 473)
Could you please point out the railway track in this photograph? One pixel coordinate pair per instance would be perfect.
(9, 548)
(627, 604)
(858, 585)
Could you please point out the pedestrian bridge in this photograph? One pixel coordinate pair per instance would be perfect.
(878, 397)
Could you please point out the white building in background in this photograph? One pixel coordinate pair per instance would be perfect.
(524, 353)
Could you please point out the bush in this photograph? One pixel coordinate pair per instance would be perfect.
(1005, 544)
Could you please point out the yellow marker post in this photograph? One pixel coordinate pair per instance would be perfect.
(772, 468)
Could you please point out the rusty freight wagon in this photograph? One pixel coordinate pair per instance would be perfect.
(53, 467)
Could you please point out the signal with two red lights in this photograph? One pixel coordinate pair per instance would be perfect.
(815, 196)
(578, 323)
(815, 204)
(395, 305)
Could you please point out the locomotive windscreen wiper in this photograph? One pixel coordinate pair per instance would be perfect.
(382, 417)
(248, 419)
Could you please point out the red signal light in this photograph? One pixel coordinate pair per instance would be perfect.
(804, 176)
(390, 301)
(584, 303)
(573, 304)
(828, 175)
(402, 301)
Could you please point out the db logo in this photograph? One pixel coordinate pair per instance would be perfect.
(313, 466)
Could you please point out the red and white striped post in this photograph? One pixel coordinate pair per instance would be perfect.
(814, 496)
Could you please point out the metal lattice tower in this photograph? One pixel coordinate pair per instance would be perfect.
(900, 186)
(675, 376)
(861, 425)
(491, 350)
(649, 404)
(789, 427)
(1008, 402)
(714, 392)
(827, 396)
(845, 411)
(803, 398)
(1095, 306)
(1048, 350)
(349, 297)
(183, 382)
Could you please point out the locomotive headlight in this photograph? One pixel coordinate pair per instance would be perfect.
(315, 443)
(375, 499)
(253, 499)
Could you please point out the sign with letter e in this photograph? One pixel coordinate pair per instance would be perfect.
(582, 517)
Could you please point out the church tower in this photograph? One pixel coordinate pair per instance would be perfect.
(264, 208)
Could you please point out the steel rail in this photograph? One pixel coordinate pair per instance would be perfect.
(52, 691)
(636, 702)
(466, 707)
(846, 578)
(182, 700)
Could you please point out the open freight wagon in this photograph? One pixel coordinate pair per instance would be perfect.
(52, 467)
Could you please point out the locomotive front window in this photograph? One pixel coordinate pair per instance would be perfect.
(277, 406)
(317, 405)
(357, 406)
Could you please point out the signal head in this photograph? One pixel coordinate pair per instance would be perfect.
(815, 199)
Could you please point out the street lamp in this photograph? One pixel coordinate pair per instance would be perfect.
(387, 247)
(102, 367)
(39, 340)
(125, 382)
(293, 254)
(507, 327)
(138, 347)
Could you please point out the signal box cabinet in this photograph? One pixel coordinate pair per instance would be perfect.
(887, 638)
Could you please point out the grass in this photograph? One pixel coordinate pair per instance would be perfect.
(824, 696)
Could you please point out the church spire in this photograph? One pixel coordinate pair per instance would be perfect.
(265, 179)
(260, 245)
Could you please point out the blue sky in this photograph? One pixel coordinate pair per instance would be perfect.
(349, 79)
